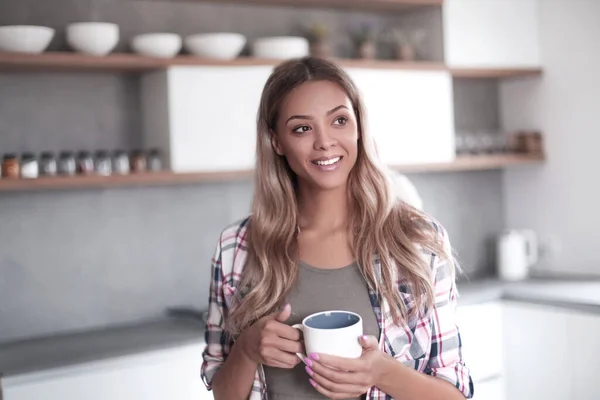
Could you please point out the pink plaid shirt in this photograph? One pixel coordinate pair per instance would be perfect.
(430, 344)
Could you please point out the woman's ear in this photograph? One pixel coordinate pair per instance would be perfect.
(275, 143)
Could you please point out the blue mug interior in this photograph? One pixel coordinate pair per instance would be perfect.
(332, 320)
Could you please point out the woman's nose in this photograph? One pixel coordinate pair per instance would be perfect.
(323, 140)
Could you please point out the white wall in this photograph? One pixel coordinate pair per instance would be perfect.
(561, 200)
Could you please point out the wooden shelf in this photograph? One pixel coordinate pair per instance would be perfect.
(470, 163)
(141, 179)
(123, 62)
(475, 163)
(368, 5)
(494, 72)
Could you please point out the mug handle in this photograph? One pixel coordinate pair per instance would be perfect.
(300, 327)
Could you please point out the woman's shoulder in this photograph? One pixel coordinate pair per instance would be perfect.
(429, 235)
(232, 250)
(234, 234)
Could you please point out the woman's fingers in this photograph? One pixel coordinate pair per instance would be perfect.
(278, 364)
(281, 358)
(335, 390)
(283, 330)
(340, 363)
(337, 376)
(290, 346)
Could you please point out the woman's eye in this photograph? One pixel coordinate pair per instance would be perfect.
(341, 121)
(301, 129)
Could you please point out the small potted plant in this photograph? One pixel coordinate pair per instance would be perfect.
(406, 43)
(317, 35)
(365, 40)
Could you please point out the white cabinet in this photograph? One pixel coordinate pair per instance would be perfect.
(410, 114)
(494, 389)
(491, 33)
(167, 374)
(541, 360)
(204, 117)
(481, 333)
(584, 351)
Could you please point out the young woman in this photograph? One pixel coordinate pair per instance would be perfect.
(327, 232)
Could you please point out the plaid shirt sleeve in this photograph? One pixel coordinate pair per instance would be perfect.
(446, 360)
(218, 344)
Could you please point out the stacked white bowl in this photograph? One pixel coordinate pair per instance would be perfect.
(281, 47)
(162, 45)
(223, 46)
(93, 38)
(25, 38)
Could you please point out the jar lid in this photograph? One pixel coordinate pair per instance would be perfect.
(47, 154)
(28, 156)
(9, 156)
(66, 153)
(83, 153)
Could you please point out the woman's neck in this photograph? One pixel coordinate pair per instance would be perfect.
(323, 209)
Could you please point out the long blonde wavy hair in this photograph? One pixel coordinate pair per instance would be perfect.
(381, 225)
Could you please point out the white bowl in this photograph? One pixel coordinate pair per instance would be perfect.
(25, 38)
(94, 38)
(224, 46)
(281, 47)
(163, 45)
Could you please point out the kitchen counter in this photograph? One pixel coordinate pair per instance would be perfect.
(34, 355)
(576, 294)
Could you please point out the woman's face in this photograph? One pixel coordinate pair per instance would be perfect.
(317, 132)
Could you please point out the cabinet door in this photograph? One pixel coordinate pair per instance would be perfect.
(168, 374)
(490, 390)
(409, 113)
(491, 33)
(213, 116)
(584, 342)
(539, 362)
(205, 116)
(481, 333)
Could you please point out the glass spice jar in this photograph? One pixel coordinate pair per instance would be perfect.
(48, 165)
(85, 163)
(137, 161)
(10, 166)
(154, 160)
(121, 162)
(66, 163)
(30, 168)
(103, 163)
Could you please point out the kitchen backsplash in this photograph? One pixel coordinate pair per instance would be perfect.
(75, 260)
(81, 259)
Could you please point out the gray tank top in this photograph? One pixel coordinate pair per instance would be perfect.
(320, 290)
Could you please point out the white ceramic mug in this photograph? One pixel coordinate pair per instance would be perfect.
(332, 332)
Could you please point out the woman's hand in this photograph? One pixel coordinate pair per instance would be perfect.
(342, 378)
(271, 342)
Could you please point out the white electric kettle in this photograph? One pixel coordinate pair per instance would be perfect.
(517, 252)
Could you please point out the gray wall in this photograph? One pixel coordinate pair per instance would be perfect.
(81, 259)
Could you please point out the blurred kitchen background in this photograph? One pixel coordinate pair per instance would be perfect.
(487, 106)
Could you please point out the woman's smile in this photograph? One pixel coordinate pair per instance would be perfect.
(327, 163)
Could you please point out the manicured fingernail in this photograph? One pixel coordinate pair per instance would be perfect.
(314, 356)
(313, 383)
(308, 361)
(309, 371)
(364, 338)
